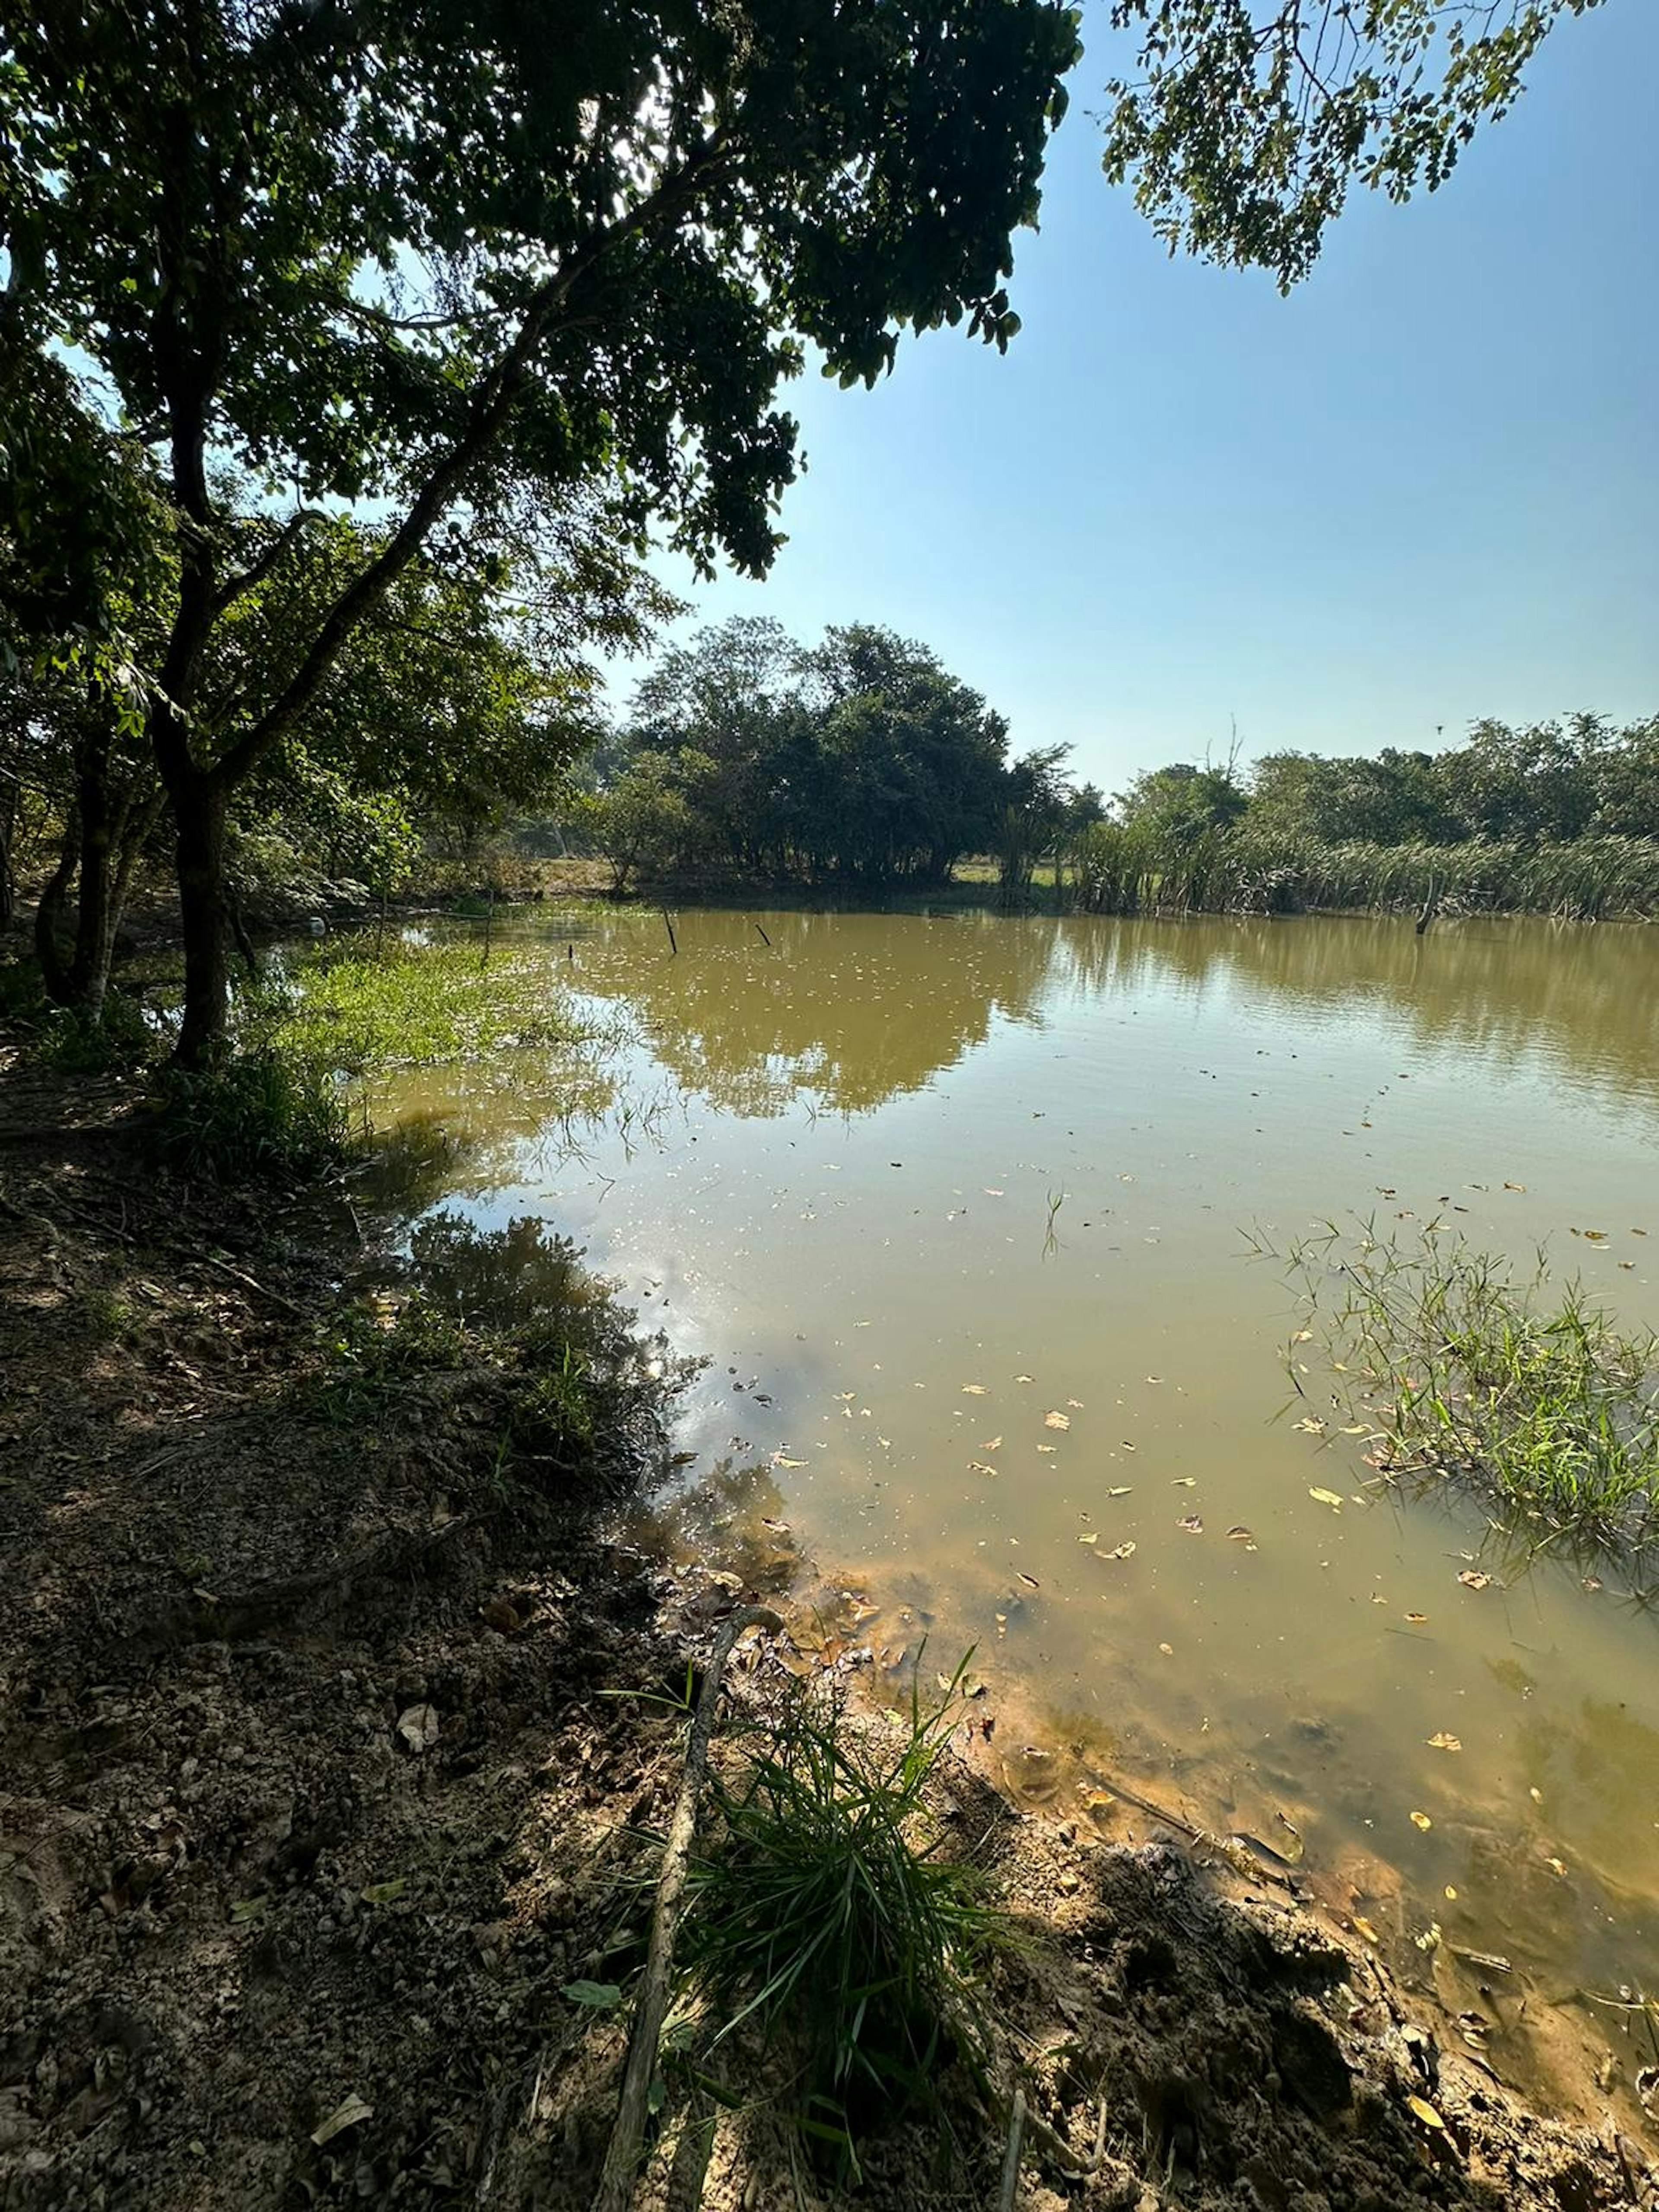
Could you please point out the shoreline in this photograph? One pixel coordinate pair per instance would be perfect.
(322, 1794)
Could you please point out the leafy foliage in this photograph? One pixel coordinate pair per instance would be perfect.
(1246, 124)
(859, 760)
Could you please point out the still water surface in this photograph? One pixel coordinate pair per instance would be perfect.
(915, 1184)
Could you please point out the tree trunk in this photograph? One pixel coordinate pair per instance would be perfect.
(199, 805)
(9, 812)
(50, 912)
(94, 925)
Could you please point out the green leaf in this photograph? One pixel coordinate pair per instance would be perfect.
(599, 1996)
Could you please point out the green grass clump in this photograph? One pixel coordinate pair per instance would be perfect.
(258, 1116)
(827, 1917)
(1523, 1388)
(410, 1004)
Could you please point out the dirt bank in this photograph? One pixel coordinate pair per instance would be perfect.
(317, 1800)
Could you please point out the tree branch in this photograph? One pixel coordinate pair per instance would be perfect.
(256, 573)
(492, 404)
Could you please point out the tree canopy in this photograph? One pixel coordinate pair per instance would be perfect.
(419, 252)
(858, 760)
(1246, 123)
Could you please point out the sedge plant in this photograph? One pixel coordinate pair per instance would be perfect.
(829, 1917)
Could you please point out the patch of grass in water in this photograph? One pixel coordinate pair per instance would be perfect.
(414, 1005)
(1521, 1387)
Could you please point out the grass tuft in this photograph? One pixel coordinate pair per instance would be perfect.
(261, 1116)
(1521, 1388)
(411, 1004)
(827, 1917)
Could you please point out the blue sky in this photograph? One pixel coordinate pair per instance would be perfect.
(1421, 490)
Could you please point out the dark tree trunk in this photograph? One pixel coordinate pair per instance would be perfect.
(199, 805)
(94, 925)
(54, 972)
(9, 810)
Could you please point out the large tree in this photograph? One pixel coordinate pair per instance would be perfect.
(435, 254)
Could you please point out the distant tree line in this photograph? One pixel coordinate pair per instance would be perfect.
(1543, 784)
(862, 761)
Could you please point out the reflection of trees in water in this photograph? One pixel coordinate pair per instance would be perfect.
(854, 1009)
(850, 1011)
(1584, 996)
(733, 1517)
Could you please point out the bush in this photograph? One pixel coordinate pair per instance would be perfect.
(258, 1116)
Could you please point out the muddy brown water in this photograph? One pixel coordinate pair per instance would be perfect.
(957, 1206)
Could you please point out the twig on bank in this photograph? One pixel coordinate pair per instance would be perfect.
(621, 2158)
(1010, 2156)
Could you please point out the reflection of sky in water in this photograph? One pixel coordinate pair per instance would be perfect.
(844, 1196)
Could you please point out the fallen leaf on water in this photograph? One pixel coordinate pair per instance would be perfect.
(1168, 1649)
(1076, 1404)
(1327, 1498)
(1515, 1186)
(1472, 1578)
(1025, 1378)
(1423, 2110)
(1047, 1447)
(1056, 1421)
(1092, 1537)
(1183, 1482)
(1421, 1821)
(1192, 1523)
(1442, 1741)
(1124, 1551)
(1311, 1423)
(1238, 1533)
(1030, 1581)
(782, 1459)
(1121, 1490)
(1417, 1618)
(1451, 1894)
(974, 1390)
(995, 1445)
(979, 1467)
(1556, 1866)
(343, 2116)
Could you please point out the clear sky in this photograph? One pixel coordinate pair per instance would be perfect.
(1424, 489)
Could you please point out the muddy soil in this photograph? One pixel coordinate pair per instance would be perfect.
(317, 1799)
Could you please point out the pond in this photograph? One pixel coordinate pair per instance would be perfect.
(960, 1208)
